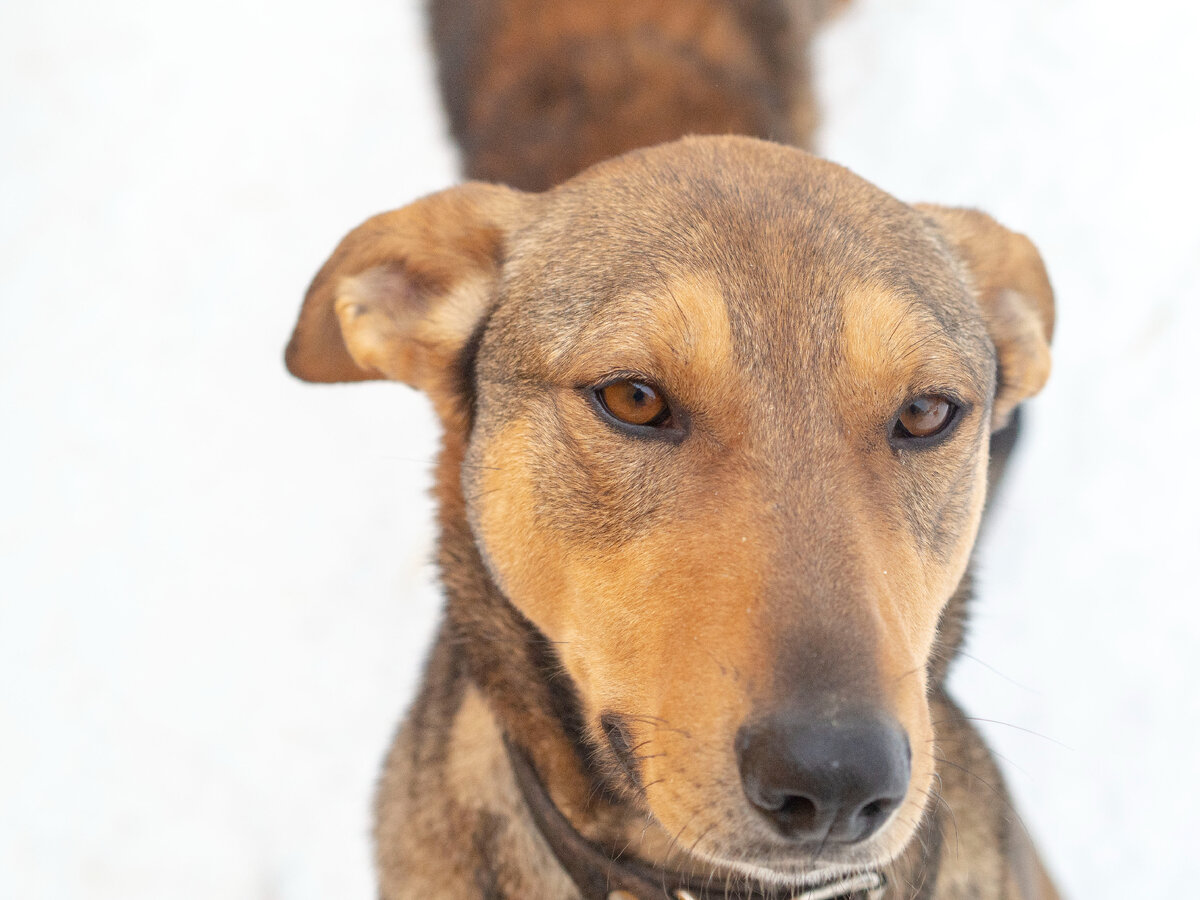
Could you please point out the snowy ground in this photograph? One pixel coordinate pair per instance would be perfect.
(214, 596)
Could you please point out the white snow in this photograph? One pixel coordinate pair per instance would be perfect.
(214, 590)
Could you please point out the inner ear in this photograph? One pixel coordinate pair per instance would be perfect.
(1014, 294)
(404, 292)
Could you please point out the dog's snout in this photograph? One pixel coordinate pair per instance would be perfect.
(824, 778)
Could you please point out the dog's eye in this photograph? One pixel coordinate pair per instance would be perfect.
(634, 403)
(925, 417)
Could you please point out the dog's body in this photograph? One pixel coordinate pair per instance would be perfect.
(684, 519)
(538, 91)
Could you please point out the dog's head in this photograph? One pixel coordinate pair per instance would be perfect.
(725, 411)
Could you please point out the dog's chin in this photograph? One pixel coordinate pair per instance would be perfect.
(799, 867)
(789, 874)
(783, 874)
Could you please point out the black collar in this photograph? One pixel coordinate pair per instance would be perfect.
(601, 877)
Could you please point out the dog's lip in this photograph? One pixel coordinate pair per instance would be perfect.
(779, 883)
(820, 883)
(794, 873)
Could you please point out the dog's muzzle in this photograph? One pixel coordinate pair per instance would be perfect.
(599, 876)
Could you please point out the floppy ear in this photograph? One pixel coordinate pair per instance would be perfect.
(402, 294)
(1014, 293)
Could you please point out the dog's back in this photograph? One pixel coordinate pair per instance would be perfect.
(538, 90)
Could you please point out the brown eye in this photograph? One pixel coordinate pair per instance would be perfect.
(925, 417)
(634, 403)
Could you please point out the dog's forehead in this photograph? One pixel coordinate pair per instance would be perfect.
(779, 243)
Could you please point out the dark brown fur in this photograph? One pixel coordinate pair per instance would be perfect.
(538, 90)
(619, 605)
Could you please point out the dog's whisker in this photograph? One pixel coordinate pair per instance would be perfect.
(692, 859)
(917, 345)
(915, 889)
(1028, 731)
(909, 673)
(646, 787)
(476, 496)
(658, 723)
(953, 818)
(997, 793)
(967, 739)
(673, 844)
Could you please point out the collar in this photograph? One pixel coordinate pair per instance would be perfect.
(600, 876)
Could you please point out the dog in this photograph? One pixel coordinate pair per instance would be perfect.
(717, 417)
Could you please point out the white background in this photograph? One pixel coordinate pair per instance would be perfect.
(214, 594)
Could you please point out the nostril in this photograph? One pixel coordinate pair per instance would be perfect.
(872, 810)
(797, 815)
(871, 816)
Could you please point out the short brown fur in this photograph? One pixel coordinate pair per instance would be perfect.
(774, 546)
(538, 90)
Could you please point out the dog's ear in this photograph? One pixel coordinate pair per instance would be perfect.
(403, 293)
(1014, 293)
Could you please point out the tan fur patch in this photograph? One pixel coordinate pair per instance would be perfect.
(661, 627)
(681, 329)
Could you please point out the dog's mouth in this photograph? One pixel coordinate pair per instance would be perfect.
(777, 867)
(781, 870)
(774, 879)
(602, 874)
(766, 873)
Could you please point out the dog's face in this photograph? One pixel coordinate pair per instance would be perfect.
(724, 411)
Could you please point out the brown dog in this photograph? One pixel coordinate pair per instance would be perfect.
(717, 419)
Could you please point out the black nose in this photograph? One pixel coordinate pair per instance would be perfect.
(828, 778)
